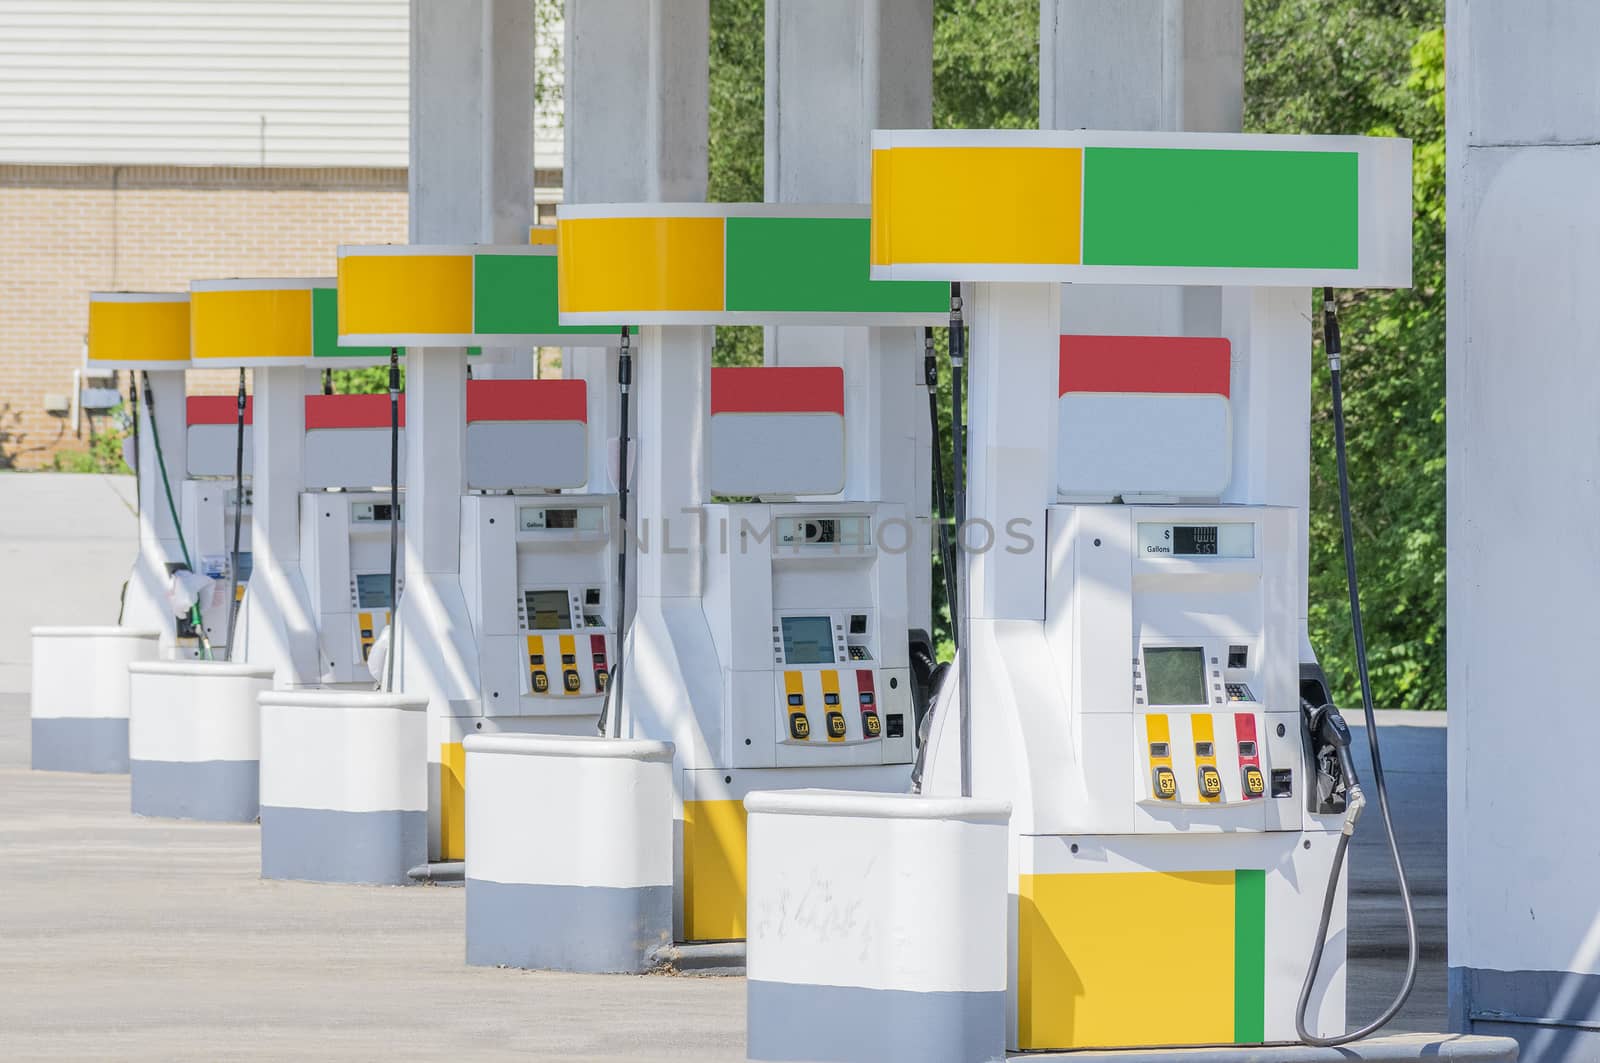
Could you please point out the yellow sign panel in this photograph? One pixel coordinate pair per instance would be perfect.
(714, 841)
(1032, 205)
(399, 294)
(1125, 959)
(612, 265)
(139, 331)
(452, 801)
(266, 324)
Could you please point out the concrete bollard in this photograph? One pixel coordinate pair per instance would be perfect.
(79, 699)
(194, 739)
(344, 785)
(877, 927)
(569, 852)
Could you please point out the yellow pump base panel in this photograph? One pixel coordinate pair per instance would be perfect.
(1145, 941)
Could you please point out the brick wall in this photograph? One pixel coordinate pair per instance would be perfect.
(65, 231)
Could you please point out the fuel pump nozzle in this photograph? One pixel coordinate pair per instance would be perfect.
(1329, 731)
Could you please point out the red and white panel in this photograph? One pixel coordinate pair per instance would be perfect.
(1144, 415)
(527, 434)
(347, 441)
(213, 434)
(777, 430)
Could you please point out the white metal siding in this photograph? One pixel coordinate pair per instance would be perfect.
(204, 82)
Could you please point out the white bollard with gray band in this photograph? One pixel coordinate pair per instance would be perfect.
(79, 698)
(344, 785)
(569, 852)
(877, 927)
(194, 739)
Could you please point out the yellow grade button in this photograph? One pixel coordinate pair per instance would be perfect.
(799, 726)
(1210, 781)
(1254, 784)
(873, 725)
(1166, 784)
(836, 724)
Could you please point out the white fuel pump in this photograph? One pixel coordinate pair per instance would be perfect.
(315, 520)
(519, 634)
(1134, 662)
(147, 334)
(537, 565)
(770, 643)
(345, 522)
(213, 502)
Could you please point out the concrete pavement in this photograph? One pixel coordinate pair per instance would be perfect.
(135, 939)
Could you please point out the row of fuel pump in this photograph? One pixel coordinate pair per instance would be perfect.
(1133, 630)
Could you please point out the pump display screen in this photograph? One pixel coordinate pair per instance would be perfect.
(807, 640)
(1188, 539)
(1175, 675)
(548, 610)
(372, 590)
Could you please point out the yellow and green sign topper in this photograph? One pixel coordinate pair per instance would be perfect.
(469, 296)
(1141, 208)
(138, 330)
(730, 263)
(267, 321)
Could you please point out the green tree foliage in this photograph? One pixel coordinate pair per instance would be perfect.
(986, 64)
(1365, 66)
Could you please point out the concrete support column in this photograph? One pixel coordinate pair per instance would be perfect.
(1011, 453)
(471, 181)
(673, 376)
(1523, 148)
(1270, 329)
(836, 70)
(636, 124)
(635, 100)
(280, 628)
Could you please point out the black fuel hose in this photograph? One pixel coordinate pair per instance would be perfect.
(196, 618)
(394, 519)
(238, 515)
(1330, 336)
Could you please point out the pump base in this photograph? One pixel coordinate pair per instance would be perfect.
(1393, 1048)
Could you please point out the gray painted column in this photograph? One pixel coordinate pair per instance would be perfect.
(471, 181)
(1523, 264)
(279, 621)
(837, 70)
